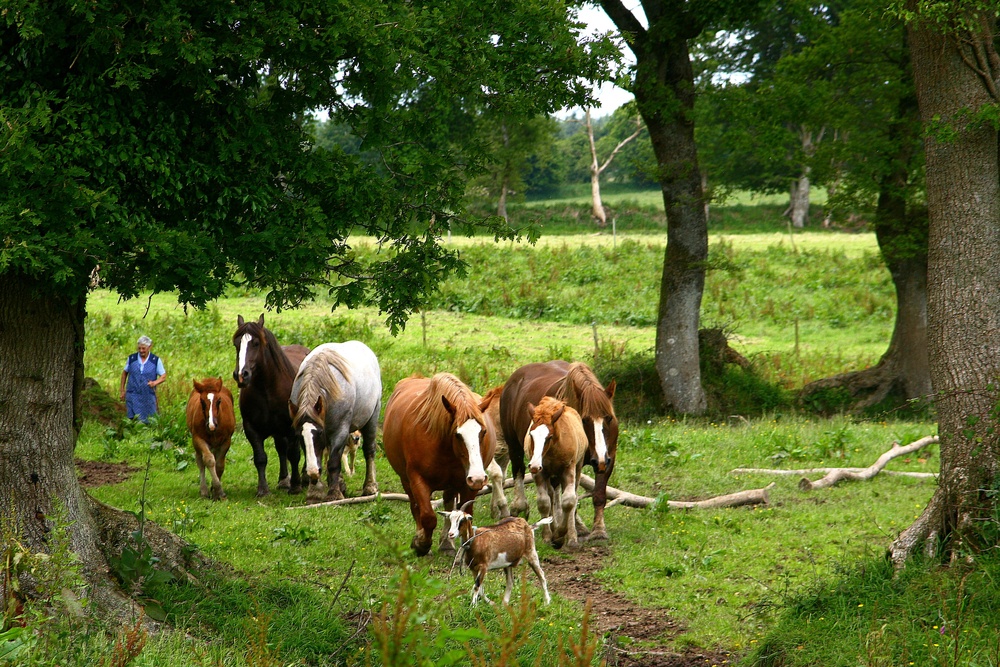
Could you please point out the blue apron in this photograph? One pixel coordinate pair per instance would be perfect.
(140, 398)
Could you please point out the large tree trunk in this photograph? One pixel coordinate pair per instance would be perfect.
(41, 375)
(963, 306)
(671, 129)
(596, 205)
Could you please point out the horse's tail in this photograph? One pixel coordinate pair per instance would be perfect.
(541, 522)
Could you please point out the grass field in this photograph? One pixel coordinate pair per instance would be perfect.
(774, 584)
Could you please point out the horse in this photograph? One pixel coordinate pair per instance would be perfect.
(337, 390)
(436, 437)
(264, 374)
(579, 388)
(497, 468)
(556, 446)
(211, 421)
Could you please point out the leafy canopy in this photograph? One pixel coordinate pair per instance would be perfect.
(169, 142)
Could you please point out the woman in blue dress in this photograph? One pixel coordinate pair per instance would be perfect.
(143, 371)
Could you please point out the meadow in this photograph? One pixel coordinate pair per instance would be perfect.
(799, 580)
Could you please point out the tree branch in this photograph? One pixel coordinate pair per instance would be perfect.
(839, 474)
(626, 22)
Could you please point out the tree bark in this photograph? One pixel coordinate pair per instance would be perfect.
(963, 295)
(665, 93)
(596, 205)
(41, 378)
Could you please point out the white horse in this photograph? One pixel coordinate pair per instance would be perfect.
(337, 390)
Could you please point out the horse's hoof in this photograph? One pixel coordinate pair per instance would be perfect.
(420, 549)
(573, 546)
(334, 494)
(369, 490)
(597, 536)
(294, 490)
(284, 482)
(263, 491)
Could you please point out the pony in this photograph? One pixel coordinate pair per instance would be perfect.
(577, 386)
(436, 437)
(264, 374)
(211, 420)
(337, 390)
(556, 446)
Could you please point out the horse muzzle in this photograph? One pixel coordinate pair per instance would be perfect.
(535, 469)
(476, 482)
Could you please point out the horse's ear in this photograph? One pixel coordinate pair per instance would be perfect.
(558, 413)
(486, 402)
(261, 320)
(447, 405)
(531, 410)
(197, 386)
(292, 409)
(318, 408)
(240, 321)
(610, 390)
(467, 507)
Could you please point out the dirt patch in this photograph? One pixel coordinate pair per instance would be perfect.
(100, 473)
(638, 636)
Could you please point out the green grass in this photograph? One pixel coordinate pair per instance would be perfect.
(740, 579)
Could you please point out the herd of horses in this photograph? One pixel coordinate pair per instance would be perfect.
(437, 433)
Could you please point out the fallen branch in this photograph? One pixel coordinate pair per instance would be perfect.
(817, 471)
(839, 474)
(615, 497)
(619, 497)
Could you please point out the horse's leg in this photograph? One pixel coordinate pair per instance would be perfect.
(543, 489)
(568, 500)
(423, 515)
(509, 571)
(259, 457)
(200, 449)
(335, 484)
(284, 480)
(292, 454)
(498, 501)
(220, 465)
(519, 506)
(368, 434)
(599, 532)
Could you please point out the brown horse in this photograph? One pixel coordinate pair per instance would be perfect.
(211, 421)
(579, 388)
(264, 373)
(436, 437)
(556, 446)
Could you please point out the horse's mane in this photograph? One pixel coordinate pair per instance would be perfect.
(582, 391)
(547, 407)
(272, 348)
(430, 412)
(317, 378)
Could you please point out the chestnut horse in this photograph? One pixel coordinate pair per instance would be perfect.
(211, 421)
(436, 437)
(264, 373)
(556, 446)
(579, 388)
(337, 390)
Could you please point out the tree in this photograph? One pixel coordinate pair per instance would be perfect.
(663, 85)
(168, 146)
(597, 168)
(953, 47)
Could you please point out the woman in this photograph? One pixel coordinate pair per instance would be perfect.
(143, 371)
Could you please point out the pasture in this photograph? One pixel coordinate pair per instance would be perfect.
(309, 585)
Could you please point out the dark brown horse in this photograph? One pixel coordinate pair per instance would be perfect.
(264, 373)
(436, 437)
(579, 388)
